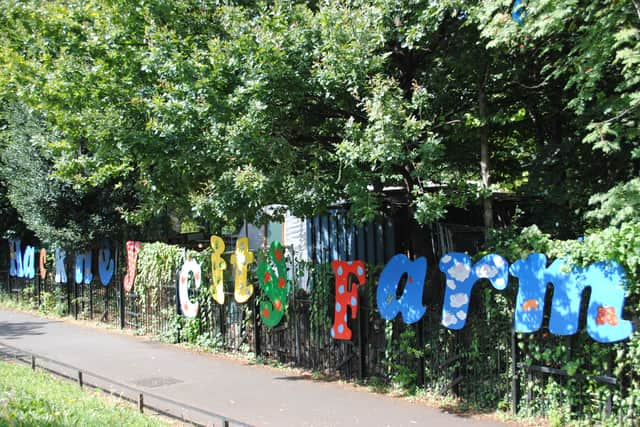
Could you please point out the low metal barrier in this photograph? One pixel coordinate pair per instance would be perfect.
(143, 399)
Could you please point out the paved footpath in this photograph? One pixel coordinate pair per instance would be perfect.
(255, 395)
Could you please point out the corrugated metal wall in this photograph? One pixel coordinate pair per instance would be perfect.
(331, 237)
(295, 235)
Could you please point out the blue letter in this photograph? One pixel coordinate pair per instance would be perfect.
(461, 277)
(105, 264)
(83, 267)
(28, 265)
(61, 274)
(410, 303)
(15, 252)
(607, 284)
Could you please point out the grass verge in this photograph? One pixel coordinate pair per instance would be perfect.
(30, 398)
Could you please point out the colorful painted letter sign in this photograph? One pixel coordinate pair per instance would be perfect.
(105, 264)
(272, 275)
(218, 265)
(460, 278)
(346, 296)
(241, 260)
(410, 303)
(83, 268)
(189, 309)
(19, 265)
(606, 280)
(42, 262)
(607, 283)
(133, 248)
(604, 315)
(61, 273)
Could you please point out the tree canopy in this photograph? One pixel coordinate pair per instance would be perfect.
(212, 110)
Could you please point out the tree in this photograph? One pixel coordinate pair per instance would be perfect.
(58, 212)
(214, 111)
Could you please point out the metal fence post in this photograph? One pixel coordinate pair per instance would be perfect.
(515, 386)
(75, 299)
(294, 310)
(256, 328)
(609, 372)
(91, 300)
(223, 325)
(68, 289)
(362, 344)
(38, 287)
(420, 344)
(120, 285)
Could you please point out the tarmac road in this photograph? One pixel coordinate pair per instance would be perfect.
(255, 395)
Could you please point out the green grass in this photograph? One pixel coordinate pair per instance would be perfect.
(30, 398)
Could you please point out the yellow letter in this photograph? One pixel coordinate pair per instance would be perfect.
(241, 260)
(218, 265)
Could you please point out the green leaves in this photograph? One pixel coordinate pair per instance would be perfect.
(37, 398)
(213, 112)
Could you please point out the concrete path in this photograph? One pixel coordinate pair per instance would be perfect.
(255, 395)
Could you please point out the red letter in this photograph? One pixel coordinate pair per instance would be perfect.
(132, 263)
(345, 296)
(43, 260)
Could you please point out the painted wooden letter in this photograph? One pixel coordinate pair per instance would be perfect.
(241, 260)
(410, 303)
(461, 276)
(346, 296)
(43, 263)
(133, 248)
(15, 254)
(218, 265)
(105, 264)
(29, 262)
(189, 309)
(83, 267)
(61, 273)
(274, 284)
(532, 287)
(607, 283)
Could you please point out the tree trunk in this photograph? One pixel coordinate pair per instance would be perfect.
(487, 203)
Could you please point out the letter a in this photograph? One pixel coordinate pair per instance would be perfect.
(410, 303)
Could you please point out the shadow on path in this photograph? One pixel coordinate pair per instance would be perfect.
(305, 377)
(13, 330)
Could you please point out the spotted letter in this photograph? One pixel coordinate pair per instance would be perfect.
(345, 296)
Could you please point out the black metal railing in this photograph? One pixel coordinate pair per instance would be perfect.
(481, 364)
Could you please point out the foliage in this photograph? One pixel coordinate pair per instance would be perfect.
(400, 356)
(322, 288)
(363, 96)
(58, 212)
(618, 205)
(157, 267)
(210, 113)
(579, 356)
(34, 398)
(114, 113)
